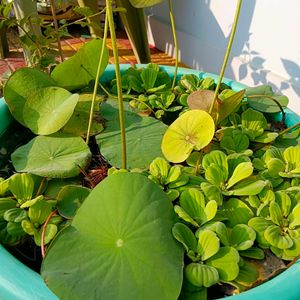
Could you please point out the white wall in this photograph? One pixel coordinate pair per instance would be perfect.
(266, 49)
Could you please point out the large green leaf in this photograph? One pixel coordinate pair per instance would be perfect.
(226, 262)
(81, 68)
(257, 99)
(124, 230)
(78, 123)
(144, 3)
(49, 109)
(193, 130)
(143, 138)
(20, 87)
(52, 156)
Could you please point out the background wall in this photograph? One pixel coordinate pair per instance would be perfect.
(266, 49)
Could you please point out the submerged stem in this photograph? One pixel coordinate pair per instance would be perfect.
(97, 80)
(118, 78)
(175, 42)
(289, 129)
(236, 18)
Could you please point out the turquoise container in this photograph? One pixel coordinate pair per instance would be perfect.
(18, 282)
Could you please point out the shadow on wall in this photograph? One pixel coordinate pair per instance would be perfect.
(254, 67)
(202, 41)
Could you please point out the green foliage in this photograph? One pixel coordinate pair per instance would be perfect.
(262, 98)
(187, 134)
(280, 228)
(136, 225)
(54, 157)
(23, 213)
(81, 68)
(49, 109)
(144, 135)
(20, 87)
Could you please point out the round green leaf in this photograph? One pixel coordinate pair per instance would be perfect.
(143, 139)
(20, 87)
(52, 156)
(226, 262)
(208, 244)
(192, 130)
(260, 224)
(49, 109)
(77, 71)
(70, 198)
(254, 123)
(124, 230)
(201, 275)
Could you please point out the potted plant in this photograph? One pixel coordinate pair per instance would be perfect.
(198, 201)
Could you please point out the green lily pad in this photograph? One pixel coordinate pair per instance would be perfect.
(52, 156)
(49, 109)
(78, 123)
(20, 87)
(123, 228)
(265, 104)
(143, 138)
(77, 71)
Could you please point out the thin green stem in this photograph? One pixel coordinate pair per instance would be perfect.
(83, 19)
(97, 80)
(175, 42)
(52, 4)
(118, 77)
(273, 99)
(236, 18)
(289, 129)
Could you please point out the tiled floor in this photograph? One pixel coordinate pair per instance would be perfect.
(15, 58)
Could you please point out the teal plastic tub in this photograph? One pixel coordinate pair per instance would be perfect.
(18, 282)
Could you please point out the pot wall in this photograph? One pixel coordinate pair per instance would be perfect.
(18, 282)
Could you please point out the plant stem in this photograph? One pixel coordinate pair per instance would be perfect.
(277, 102)
(118, 77)
(97, 80)
(52, 4)
(83, 19)
(236, 18)
(41, 187)
(289, 129)
(44, 232)
(175, 42)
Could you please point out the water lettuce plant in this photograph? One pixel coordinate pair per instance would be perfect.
(197, 194)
